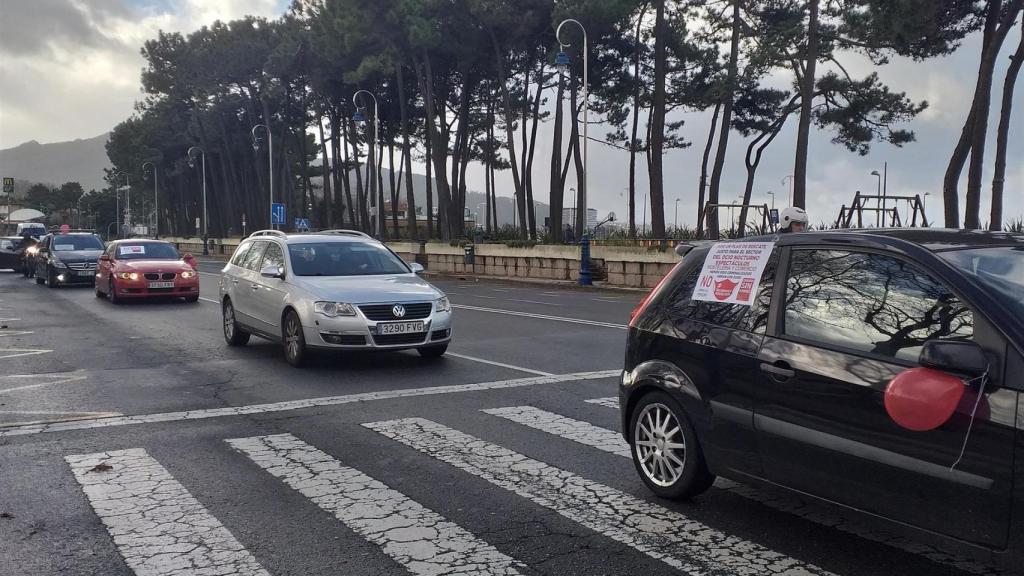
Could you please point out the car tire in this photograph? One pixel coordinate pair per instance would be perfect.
(433, 351)
(295, 352)
(51, 279)
(233, 333)
(666, 451)
(39, 279)
(112, 292)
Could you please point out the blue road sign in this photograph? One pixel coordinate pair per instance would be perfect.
(302, 223)
(277, 215)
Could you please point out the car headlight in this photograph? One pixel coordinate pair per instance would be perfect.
(334, 309)
(32, 250)
(188, 274)
(443, 304)
(56, 263)
(128, 275)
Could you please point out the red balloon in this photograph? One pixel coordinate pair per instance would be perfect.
(64, 228)
(922, 399)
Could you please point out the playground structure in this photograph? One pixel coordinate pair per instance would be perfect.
(885, 215)
(768, 220)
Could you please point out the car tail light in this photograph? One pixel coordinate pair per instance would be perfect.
(639, 310)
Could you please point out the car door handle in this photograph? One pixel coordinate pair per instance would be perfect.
(255, 286)
(780, 370)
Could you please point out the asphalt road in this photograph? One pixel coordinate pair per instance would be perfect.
(133, 440)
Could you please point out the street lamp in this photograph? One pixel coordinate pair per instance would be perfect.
(878, 218)
(117, 201)
(270, 157)
(676, 225)
(562, 62)
(772, 194)
(371, 156)
(790, 178)
(156, 195)
(192, 164)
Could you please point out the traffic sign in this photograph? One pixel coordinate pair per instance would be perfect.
(302, 223)
(8, 185)
(277, 215)
(773, 215)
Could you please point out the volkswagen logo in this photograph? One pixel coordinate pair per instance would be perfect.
(398, 311)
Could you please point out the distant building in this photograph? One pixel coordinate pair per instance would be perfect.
(569, 217)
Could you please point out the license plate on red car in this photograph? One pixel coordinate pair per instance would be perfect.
(161, 284)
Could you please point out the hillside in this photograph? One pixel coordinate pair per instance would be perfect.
(79, 161)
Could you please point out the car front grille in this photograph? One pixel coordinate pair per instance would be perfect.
(81, 265)
(385, 312)
(156, 276)
(398, 339)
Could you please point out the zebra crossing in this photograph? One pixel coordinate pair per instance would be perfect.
(161, 529)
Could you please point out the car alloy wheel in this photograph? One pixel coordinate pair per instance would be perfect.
(666, 450)
(112, 292)
(660, 445)
(233, 335)
(294, 340)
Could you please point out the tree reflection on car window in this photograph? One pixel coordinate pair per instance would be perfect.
(343, 259)
(871, 303)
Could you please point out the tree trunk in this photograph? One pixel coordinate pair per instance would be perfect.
(1002, 134)
(394, 190)
(657, 139)
(439, 147)
(972, 216)
(580, 225)
(353, 138)
(430, 189)
(714, 190)
(557, 183)
(499, 61)
(410, 192)
(328, 214)
(753, 158)
(704, 169)
(633, 144)
(803, 134)
(352, 206)
(528, 172)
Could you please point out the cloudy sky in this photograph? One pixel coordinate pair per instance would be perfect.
(70, 69)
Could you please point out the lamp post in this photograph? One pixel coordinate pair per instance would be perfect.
(878, 218)
(192, 164)
(772, 194)
(924, 206)
(156, 196)
(270, 160)
(562, 62)
(371, 154)
(790, 178)
(676, 224)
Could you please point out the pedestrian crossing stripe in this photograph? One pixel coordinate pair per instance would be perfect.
(611, 402)
(159, 528)
(663, 534)
(414, 536)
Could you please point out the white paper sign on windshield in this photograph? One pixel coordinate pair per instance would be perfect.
(732, 272)
(136, 249)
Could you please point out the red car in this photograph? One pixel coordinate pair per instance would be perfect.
(146, 269)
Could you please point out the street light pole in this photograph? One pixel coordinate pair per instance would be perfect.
(371, 155)
(270, 160)
(790, 178)
(676, 225)
(156, 196)
(562, 60)
(772, 194)
(881, 203)
(206, 229)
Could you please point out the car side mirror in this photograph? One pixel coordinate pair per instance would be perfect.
(272, 272)
(416, 267)
(956, 356)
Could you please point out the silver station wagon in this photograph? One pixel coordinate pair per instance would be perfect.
(333, 290)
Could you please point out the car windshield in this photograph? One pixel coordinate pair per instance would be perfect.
(76, 242)
(999, 270)
(146, 251)
(344, 259)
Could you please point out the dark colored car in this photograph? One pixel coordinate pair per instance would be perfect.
(67, 258)
(10, 259)
(878, 370)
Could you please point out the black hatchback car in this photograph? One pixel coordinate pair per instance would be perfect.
(66, 258)
(878, 370)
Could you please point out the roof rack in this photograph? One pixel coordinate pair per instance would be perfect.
(342, 232)
(268, 233)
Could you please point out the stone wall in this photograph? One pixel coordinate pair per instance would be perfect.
(627, 267)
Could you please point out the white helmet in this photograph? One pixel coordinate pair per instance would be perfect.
(791, 215)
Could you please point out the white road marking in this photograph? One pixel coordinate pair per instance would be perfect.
(418, 538)
(500, 365)
(306, 403)
(10, 319)
(15, 333)
(534, 302)
(159, 528)
(500, 290)
(663, 534)
(209, 300)
(613, 442)
(209, 273)
(542, 316)
(610, 402)
(16, 352)
(71, 417)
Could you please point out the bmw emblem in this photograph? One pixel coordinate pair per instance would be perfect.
(398, 311)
